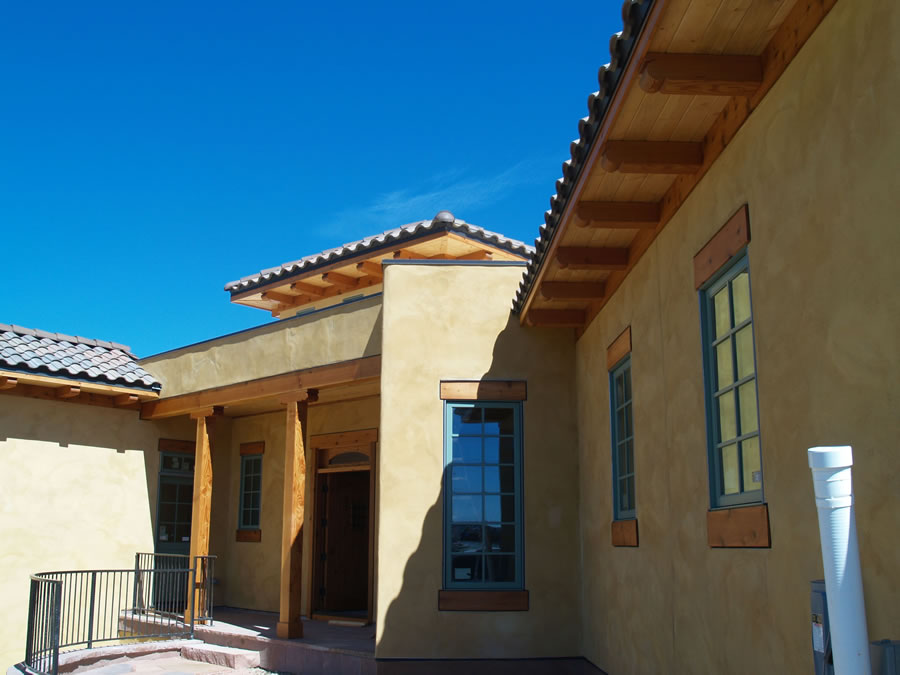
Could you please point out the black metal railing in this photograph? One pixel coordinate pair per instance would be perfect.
(156, 599)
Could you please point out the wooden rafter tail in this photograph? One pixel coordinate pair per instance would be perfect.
(406, 254)
(573, 290)
(308, 289)
(8, 382)
(342, 281)
(570, 318)
(480, 254)
(615, 215)
(68, 392)
(652, 157)
(701, 74)
(126, 399)
(370, 268)
(592, 258)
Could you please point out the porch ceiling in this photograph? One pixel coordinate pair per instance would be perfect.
(696, 70)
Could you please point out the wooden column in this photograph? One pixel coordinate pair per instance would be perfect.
(289, 623)
(201, 508)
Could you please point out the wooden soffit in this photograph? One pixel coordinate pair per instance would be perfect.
(697, 71)
(49, 388)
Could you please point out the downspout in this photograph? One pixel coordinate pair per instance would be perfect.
(831, 473)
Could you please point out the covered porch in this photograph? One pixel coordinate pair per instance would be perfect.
(282, 490)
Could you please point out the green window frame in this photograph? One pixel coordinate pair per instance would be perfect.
(729, 362)
(483, 523)
(622, 427)
(251, 492)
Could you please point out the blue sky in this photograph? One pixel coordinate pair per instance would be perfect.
(151, 152)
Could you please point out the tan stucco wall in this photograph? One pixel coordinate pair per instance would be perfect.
(817, 164)
(336, 334)
(78, 486)
(249, 573)
(453, 322)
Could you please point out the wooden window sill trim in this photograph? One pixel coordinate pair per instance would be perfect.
(625, 532)
(483, 601)
(248, 535)
(739, 527)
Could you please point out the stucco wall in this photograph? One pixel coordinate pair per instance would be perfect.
(453, 322)
(340, 333)
(817, 164)
(78, 487)
(249, 573)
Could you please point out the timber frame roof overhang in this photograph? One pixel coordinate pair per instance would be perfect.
(355, 269)
(683, 78)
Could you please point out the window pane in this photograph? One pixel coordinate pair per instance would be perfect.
(186, 493)
(730, 470)
(500, 507)
(744, 343)
(752, 464)
(721, 313)
(622, 459)
(627, 376)
(620, 423)
(256, 483)
(727, 420)
(620, 388)
(507, 450)
(466, 478)
(747, 401)
(465, 567)
(253, 501)
(740, 294)
(467, 449)
(629, 455)
(500, 537)
(467, 421)
(466, 538)
(167, 512)
(167, 492)
(466, 508)
(492, 507)
(499, 479)
(724, 367)
(628, 429)
(626, 494)
(501, 568)
(498, 421)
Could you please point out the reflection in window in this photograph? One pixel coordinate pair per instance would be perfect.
(735, 463)
(251, 491)
(483, 495)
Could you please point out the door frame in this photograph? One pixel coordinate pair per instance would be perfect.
(323, 448)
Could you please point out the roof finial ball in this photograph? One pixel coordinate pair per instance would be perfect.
(444, 217)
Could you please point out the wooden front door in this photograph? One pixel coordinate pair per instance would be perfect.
(342, 579)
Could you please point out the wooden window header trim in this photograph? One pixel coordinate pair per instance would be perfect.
(740, 527)
(254, 448)
(251, 536)
(731, 238)
(174, 445)
(619, 349)
(484, 390)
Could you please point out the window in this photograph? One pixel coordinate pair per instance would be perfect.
(622, 440)
(730, 371)
(251, 490)
(483, 495)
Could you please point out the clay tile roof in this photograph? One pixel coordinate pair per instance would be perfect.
(634, 12)
(442, 222)
(40, 352)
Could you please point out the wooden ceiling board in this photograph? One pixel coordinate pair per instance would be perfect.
(603, 185)
(629, 187)
(726, 22)
(645, 117)
(654, 188)
(634, 98)
(692, 32)
(672, 113)
(755, 29)
(668, 24)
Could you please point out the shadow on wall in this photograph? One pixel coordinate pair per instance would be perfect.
(412, 623)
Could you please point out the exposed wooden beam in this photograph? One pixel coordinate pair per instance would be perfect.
(53, 383)
(273, 387)
(701, 74)
(308, 289)
(290, 625)
(370, 268)
(280, 298)
(405, 254)
(126, 399)
(588, 258)
(614, 215)
(573, 290)
(480, 254)
(8, 382)
(340, 280)
(201, 510)
(573, 318)
(652, 157)
(68, 392)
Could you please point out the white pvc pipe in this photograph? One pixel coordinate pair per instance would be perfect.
(833, 485)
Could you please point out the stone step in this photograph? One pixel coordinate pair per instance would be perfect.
(229, 657)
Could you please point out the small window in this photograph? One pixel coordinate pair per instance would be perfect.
(483, 495)
(731, 402)
(622, 425)
(251, 491)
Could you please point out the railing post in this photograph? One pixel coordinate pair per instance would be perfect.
(137, 583)
(29, 641)
(90, 640)
(54, 626)
(193, 583)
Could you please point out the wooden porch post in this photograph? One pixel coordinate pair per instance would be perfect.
(289, 623)
(201, 507)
